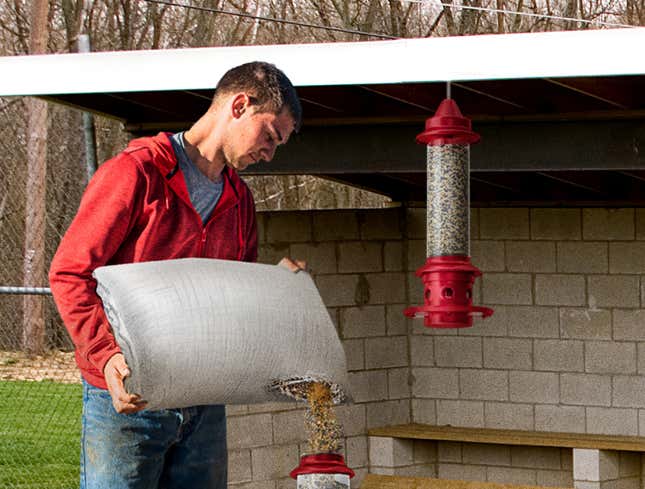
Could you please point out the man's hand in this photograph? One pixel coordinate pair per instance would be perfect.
(115, 371)
(294, 265)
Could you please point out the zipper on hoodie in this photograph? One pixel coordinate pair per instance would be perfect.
(202, 243)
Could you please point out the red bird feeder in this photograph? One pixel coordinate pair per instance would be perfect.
(448, 275)
(322, 470)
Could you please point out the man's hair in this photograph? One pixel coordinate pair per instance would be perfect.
(268, 88)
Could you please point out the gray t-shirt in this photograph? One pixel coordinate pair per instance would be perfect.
(204, 193)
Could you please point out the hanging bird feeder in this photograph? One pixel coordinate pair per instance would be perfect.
(448, 275)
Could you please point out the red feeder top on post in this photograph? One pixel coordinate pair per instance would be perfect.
(448, 126)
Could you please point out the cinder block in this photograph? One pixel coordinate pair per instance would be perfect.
(506, 353)
(425, 452)
(626, 483)
(422, 470)
(533, 322)
(486, 454)
(485, 385)
(335, 225)
(554, 478)
(388, 413)
(271, 254)
(387, 352)
(380, 224)
(260, 218)
(569, 419)
(369, 385)
(556, 224)
(435, 383)
(560, 290)
(448, 451)
(362, 322)
(249, 431)
(422, 351)
(289, 427)
(612, 421)
(360, 256)
(605, 357)
(354, 354)
(504, 223)
(595, 465)
(320, 257)
(425, 411)
(236, 409)
(352, 418)
(395, 320)
(259, 485)
(629, 391)
(559, 355)
(608, 224)
(585, 324)
(239, 466)
(537, 387)
(460, 413)
(641, 357)
(274, 462)
(507, 288)
(613, 291)
(511, 475)
(415, 223)
(630, 464)
(386, 288)
(627, 257)
(509, 416)
(414, 289)
(398, 380)
(474, 223)
(393, 256)
(271, 407)
(488, 256)
(416, 254)
(586, 485)
(629, 324)
(288, 227)
(390, 452)
(583, 257)
(458, 352)
(357, 454)
(338, 290)
(461, 472)
(530, 256)
(536, 457)
(585, 389)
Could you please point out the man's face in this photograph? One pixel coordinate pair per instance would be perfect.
(257, 135)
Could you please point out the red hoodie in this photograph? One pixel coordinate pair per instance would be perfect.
(137, 208)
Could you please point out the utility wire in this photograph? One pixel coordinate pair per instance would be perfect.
(272, 19)
(526, 14)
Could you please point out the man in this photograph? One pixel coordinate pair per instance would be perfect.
(165, 197)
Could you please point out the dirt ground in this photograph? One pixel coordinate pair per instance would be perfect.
(57, 366)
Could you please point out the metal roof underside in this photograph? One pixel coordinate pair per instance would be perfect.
(549, 137)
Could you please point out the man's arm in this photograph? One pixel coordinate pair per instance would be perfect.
(105, 216)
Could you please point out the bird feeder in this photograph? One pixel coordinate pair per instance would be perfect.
(322, 470)
(448, 275)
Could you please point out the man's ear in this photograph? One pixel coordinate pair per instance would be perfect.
(239, 105)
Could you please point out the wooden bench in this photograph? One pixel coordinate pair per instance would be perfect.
(596, 458)
(373, 481)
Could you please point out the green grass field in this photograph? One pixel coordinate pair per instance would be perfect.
(39, 435)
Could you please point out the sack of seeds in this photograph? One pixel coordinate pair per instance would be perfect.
(201, 331)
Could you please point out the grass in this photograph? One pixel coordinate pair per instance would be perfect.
(39, 435)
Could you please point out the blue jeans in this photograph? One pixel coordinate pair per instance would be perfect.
(167, 449)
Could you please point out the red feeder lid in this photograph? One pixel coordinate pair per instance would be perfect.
(322, 463)
(448, 126)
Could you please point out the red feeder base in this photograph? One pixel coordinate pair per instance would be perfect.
(448, 282)
(322, 463)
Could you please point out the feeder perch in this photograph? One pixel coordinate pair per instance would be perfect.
(448, 275)
(326, 470)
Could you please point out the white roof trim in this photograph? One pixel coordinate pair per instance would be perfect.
(485, 57)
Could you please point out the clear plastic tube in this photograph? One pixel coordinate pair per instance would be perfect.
(448, 214)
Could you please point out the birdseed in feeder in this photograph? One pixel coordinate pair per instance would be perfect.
(448, 214)
(323, 481)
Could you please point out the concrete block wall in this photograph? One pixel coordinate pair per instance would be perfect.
(357, 259)
(565, 349)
